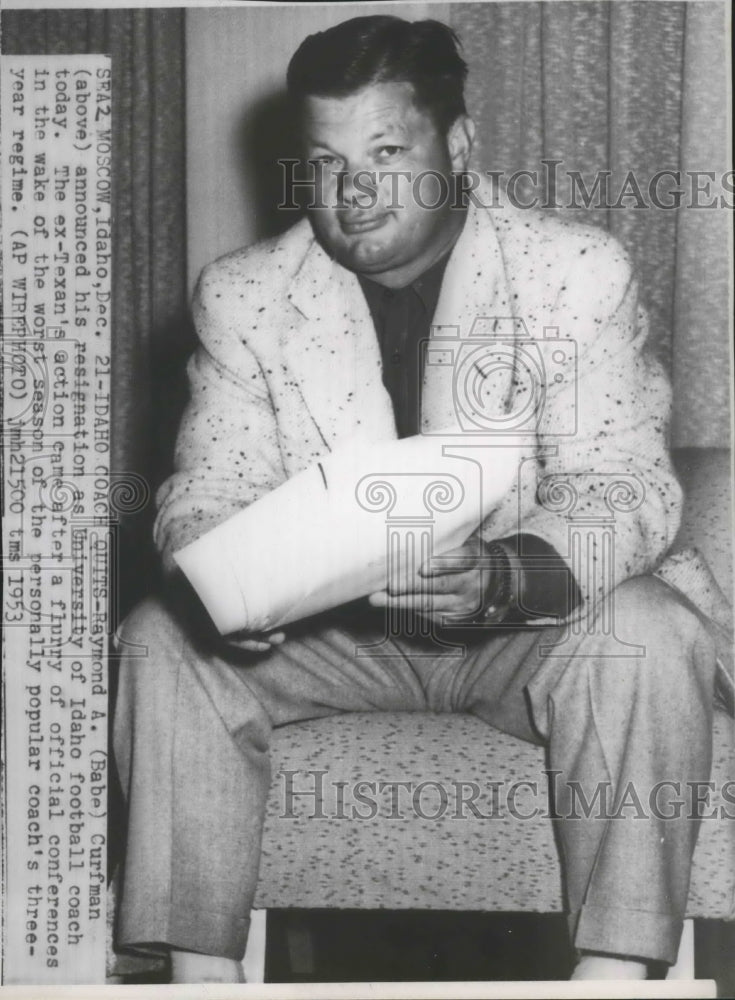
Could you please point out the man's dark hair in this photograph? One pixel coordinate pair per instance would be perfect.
(384, 49)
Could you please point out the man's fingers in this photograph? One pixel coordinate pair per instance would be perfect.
(454, 583)
(447, 565)
(426, 603)
(260, 645)
(251, 645)
(470, 556)
(405, 578)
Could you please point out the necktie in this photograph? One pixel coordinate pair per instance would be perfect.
(405, 326)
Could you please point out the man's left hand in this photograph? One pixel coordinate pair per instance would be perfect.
(455, 583)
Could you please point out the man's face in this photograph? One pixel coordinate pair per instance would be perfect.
(383, 229)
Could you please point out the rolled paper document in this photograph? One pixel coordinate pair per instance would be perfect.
(342, 528)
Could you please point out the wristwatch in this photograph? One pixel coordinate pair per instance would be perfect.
(500, 600)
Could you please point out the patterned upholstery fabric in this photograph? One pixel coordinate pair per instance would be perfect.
(442, 855)
(312, 858)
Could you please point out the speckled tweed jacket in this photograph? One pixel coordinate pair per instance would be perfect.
(289, 366)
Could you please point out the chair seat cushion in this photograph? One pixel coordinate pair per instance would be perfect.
(444, 839)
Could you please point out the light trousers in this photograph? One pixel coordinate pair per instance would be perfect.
(194, 718)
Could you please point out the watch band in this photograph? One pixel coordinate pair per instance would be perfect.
(499, 603)
(501, 599)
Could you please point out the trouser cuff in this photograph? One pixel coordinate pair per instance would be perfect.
(205, 931)
(619, 931)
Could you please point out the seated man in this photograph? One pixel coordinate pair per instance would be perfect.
(312, 340)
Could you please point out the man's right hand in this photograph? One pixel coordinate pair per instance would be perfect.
(256, 642)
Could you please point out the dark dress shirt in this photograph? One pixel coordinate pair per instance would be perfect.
(402, 318)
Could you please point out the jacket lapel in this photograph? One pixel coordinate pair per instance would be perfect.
(469, 362)
(335, 356)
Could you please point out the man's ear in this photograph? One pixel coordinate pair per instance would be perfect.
(460, 139)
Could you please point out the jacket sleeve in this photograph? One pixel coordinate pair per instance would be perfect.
(227, 452)
(601, 490)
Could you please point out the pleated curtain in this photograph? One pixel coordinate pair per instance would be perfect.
(631, 87)
(150, 332)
